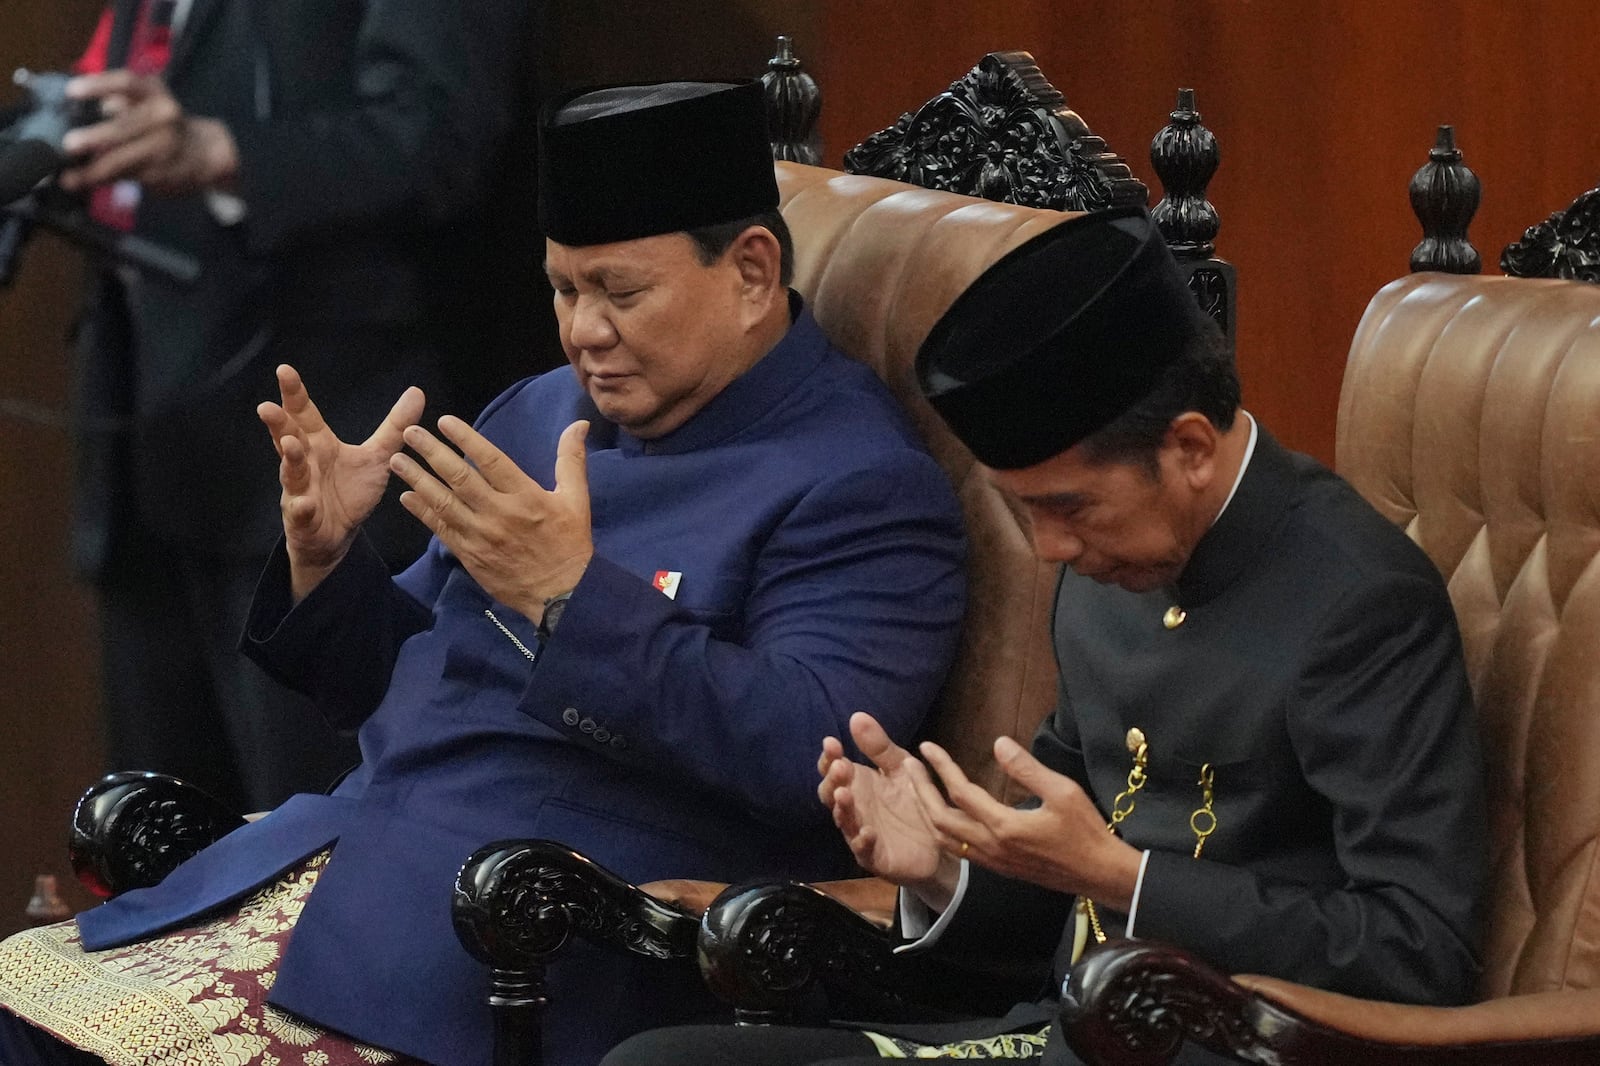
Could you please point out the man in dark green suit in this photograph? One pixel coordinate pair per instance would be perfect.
(1262, 686)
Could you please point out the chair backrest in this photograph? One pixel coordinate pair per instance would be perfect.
(1003, 132)
(879, 262)
(1470, 415)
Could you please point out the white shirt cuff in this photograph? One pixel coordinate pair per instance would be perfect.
(226, 209)
(1138, 887)
(918, 924)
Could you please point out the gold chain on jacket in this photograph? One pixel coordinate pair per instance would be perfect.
(1203, 822)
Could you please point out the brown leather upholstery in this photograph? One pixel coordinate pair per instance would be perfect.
(880, 261)
(1538, 1016)
(1471, 415)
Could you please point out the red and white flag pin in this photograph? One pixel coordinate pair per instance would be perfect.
(666, 582)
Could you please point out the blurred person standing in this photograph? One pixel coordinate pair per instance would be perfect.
(355, 179)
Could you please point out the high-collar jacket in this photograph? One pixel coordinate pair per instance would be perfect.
(1317, 671)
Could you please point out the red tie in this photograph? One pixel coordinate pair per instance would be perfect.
(151, 47)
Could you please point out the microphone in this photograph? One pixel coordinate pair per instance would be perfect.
(24, 164)
(30, 151)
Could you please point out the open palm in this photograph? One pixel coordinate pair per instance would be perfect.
(329, 487)
(878, 808)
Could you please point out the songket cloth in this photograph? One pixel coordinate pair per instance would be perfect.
(1002, 1046)
(195, 996)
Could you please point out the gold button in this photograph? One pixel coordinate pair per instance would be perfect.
(1174, 617)
(1135, 739)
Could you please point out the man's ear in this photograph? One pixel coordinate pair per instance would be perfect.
(1192, 443)
(759, 259)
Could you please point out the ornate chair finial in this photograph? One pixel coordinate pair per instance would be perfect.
(793, 105)
(1444, 197)
(1185, 156)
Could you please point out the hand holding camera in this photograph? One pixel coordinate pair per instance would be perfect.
(113, 126)
(144, 135)
(98, 128)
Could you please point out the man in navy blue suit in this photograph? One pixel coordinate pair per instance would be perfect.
(713, 534)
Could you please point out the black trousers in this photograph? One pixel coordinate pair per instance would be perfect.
(777, 1045)
(741, 1045)
(22, 1044)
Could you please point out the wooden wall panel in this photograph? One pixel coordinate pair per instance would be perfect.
(651, 40)
(1323, 111)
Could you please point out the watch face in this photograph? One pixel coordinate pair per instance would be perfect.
(552, 616)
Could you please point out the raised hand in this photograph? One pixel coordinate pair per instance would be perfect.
(329, 487)
(882, 813)
(521, 542)
(1061, 844)
(146, 136)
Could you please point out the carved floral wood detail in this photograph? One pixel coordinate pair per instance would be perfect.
(1004, 133)
(1565, 245)
(131, 829)
(1137, 1003)
(517, 903)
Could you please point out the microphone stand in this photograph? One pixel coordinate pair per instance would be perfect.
(66, 217)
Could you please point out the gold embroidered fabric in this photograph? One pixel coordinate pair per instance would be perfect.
(1004, 1046)
(192, 997)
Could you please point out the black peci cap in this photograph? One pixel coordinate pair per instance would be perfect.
(631, 161)
(1058, 338)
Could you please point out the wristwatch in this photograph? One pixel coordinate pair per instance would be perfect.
(553, 608)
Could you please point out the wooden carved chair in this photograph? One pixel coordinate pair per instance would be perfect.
(1470, 415)
(879, 261)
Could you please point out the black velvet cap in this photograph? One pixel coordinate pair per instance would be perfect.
(1058, 338)
(630, 161)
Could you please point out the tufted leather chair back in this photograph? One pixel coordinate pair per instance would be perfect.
(879, 262)
(1470, 415)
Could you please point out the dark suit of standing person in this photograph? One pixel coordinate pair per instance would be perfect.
(1262, 687)
(355, 181)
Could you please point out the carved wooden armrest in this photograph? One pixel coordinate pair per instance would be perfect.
(1134, 1003)
(516, 905)
(789, 952)
(131, 829)
(517, 902)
